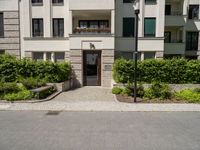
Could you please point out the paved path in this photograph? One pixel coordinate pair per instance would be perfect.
(34, 130)
(95, 99)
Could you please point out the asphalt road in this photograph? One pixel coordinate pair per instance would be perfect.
(35, 130)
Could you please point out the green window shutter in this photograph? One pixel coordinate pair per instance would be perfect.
(128, 27)
(149, 27)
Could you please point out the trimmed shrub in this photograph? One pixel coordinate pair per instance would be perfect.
(188, 95)
(175, 71)
(9, 88)
(21, 95)
(158, 90)
(12, 68)
(32, 83)
(117, 90)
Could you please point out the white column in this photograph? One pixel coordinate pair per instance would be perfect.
(70, 22)
(52, 57)
(112, 21)
(45, 57)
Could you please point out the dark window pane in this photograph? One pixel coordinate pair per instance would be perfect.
(128, 27)
(57, 1)
(37, 1)
(192, 39)
(149, 27)
(1, 25)
(58, 27)
(149, 55)
(128, 1)
(59, 56)
(37, 27)
(167, 37)
(167, 9)
(2, 52)
(38, 56)
(193, 12)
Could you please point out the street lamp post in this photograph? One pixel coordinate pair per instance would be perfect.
(137, 11)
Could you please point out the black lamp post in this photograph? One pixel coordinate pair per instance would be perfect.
(137, 11)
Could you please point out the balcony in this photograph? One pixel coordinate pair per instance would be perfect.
(175, 18)
(174, 48)
(92, 22)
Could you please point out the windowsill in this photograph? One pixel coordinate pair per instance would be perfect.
(57, 4)
(46, 38)
(37, 4)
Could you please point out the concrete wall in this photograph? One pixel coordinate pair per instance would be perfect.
(10, 43)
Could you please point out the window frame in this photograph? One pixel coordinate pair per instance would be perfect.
(37, 3)
(132, 35)
(38, 21)
(59, 29)
(2, 34)
(57, 3)
(190, 15)
(150, 35)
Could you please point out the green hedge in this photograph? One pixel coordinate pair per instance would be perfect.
(11, 69)
(175, 71)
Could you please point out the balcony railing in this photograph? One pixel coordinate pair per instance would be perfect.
(175, 13)
(92, 30)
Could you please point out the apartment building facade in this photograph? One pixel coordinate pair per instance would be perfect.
(9, 27)
(91, 33)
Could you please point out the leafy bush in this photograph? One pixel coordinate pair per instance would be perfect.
(126, 92)
(117, 90)
(31, 83)
(8, 88)
(188, 95)
(12, 68)
(158, 90)
(21, 95)
(176, 71)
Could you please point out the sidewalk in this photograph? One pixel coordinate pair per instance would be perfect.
(95, 99)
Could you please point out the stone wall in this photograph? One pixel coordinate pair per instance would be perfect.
(174, 87)
(11, 42)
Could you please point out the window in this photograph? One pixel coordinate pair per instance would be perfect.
(128, 1)
(38, 56)
(58, 27)
(1, 25)
(192, 39)
(171, 56)
(150, 1)
(168, 10)
(191, 57)
(48, 56)
(37, 2)
(37, 27)
(149, 55)
(93, 24)
(193, 12)
(149, 27)
(128, 27)
(2, 52)
(167, 37)
(57, 1)
(59, 56)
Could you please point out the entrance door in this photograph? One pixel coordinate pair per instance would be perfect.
(92, 68)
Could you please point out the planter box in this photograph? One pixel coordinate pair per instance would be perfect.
(63, 86)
